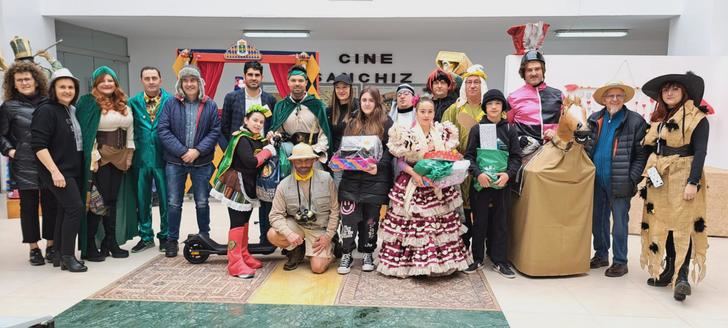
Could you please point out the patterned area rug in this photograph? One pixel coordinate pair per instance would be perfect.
(176, 280)
(457, 291)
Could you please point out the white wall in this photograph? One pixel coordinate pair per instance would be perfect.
(24, 18)
(700, 30)
(415, 57)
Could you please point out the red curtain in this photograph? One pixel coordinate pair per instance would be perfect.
(211, 72)
(280, 77)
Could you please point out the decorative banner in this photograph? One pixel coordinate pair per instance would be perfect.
(243, 50)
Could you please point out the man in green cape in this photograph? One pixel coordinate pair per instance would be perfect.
(301, 117)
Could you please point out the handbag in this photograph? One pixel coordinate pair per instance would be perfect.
(94, 200)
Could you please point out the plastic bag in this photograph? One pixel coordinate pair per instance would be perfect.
(433, 169)
(457, 175)
(357, 153)
(491, 162)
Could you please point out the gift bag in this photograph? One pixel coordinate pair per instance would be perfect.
(491, 162)
(270, 175)
(357, 153)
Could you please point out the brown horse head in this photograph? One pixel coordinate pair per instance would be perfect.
(572, 123)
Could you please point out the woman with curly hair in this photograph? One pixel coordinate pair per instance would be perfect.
(26, 90)
(108, 146)
(421, 231)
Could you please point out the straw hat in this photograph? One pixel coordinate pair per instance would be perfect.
(302, 151)
(599, 94)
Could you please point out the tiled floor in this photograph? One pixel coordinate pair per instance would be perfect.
(591, 300)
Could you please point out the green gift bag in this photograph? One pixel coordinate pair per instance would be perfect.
(490, 162)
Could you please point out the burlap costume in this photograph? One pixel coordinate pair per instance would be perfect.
(665, 209)
(551, 221)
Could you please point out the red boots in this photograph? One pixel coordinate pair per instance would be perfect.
(237, 242)
(249, 259)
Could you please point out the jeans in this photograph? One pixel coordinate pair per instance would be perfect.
(618, 207)
(176, 178)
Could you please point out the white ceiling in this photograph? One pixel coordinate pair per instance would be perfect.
(420, 29)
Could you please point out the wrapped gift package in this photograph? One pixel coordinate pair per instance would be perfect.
(456, 177)
(357, 153)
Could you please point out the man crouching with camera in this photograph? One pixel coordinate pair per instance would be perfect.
(305, 214)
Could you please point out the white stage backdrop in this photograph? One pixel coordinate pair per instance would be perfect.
(581, 75)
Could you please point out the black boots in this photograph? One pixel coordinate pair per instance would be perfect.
(295, 257)
(36, 257)
(682, 286)
(665, 277)
(92, 252)
(69, 262)
(50, 254)
(109, 246)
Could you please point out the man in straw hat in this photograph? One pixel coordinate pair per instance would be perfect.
(305, 214)
(615, 148)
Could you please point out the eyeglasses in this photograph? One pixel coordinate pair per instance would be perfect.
(25, 80)
(614, 96)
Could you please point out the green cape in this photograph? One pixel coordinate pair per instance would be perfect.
(285, 107)
(88, 114)
(227, 159)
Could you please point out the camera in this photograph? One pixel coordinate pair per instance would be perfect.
(305, 215)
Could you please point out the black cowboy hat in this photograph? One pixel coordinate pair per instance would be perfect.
(694, 85)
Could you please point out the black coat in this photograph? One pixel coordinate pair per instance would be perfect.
(628, 156)
(362, 187)
(508, 135)
(442, 104)
(337, 128)
(15, 118)
(246, 163)
(52, 129)
(233, 112)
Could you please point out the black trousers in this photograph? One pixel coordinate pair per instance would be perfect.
(670, 248)
(238, 218)
(490, 220)
(29, 216)
(68, 218)
(362, 220)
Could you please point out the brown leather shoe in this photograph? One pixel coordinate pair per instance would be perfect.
(616, 270)
(598, 262)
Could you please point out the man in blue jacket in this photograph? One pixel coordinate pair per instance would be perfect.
(188, 129)
(619, 158)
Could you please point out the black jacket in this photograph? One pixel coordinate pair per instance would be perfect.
(628, 155)
(233, 112)
(362, 187)
(245, 162)
(15, 117)
(337, 128)
(52, 129)
(508, 135)
(442, 104)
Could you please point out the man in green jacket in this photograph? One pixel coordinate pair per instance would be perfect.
(148, 163)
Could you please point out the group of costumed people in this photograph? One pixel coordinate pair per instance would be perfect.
(283, 160)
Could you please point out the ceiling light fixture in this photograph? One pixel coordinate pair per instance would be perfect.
(276, 33)
(585, 33)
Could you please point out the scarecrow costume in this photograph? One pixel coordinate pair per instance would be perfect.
(678, 144)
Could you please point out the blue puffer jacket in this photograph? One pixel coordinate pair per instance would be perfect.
(171, 131)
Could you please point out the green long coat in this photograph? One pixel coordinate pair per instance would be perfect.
(88, 114)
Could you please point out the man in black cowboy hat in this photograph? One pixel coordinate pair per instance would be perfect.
(619, 159)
